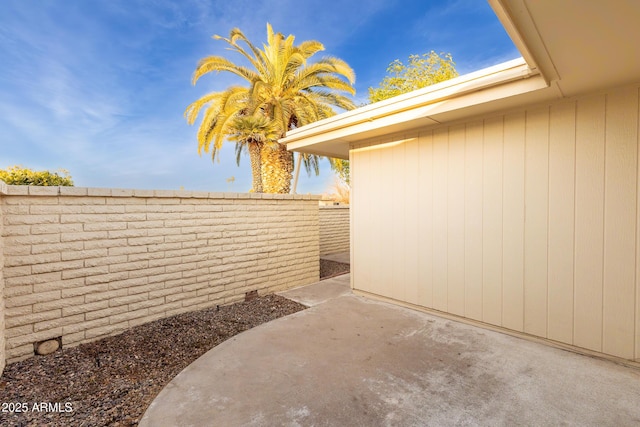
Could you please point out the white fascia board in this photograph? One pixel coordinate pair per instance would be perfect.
(505, 16)
(416, 105)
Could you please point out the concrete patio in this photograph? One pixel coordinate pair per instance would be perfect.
(348, 360)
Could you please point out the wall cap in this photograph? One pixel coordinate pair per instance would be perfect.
(334, 206)
(32, 190)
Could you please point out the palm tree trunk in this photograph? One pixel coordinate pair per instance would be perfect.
(285, 160)
(269, 169)
(277, 169)
(255, 148)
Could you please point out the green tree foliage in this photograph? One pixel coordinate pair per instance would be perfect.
(422, 70)
(341, 168)
(283, 90)
(17, 175)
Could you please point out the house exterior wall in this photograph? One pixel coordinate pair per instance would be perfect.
(334, 229)
(528, 220)
(85, 263)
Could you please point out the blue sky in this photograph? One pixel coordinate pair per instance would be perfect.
(99, 87)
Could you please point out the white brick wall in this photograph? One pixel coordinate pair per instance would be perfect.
(85, 263)
(334, 229)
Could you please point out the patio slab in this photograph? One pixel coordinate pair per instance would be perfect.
(349, 360)
(320, 292)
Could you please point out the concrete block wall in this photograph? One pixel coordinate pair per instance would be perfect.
(3, 190)
(85, 263)
(334, 229)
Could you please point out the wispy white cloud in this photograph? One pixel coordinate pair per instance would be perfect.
(99, 88)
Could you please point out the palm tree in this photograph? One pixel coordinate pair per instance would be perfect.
(252, 133)
(222, 108)
(282, 87)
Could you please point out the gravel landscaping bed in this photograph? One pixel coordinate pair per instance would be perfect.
(332, 268)
(111, 382)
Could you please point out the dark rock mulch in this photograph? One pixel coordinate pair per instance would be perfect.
(112, 381)
(332, 268)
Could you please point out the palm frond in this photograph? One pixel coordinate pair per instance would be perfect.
(311, 163)
(193, 110)
(284, 90)
(310, 47)
(246, 129)
(339, 67)
(219, 63)
(237, 35)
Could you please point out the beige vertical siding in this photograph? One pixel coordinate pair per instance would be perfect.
(512, 305)
(410, 216)
(620, 178)
(589, 222)
(490, 153)
(455, 221)
(527, 220)
(473, 222)
(562, 137)
(440, 219)
(536, 211)
(425, 231)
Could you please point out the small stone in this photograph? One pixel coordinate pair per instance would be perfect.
(47, 347)
(251, 295)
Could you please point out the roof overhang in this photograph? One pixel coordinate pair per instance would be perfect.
(578, 45)
(473, 93)
(568, 48)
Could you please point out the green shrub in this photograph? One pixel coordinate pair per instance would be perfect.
(17, 175)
